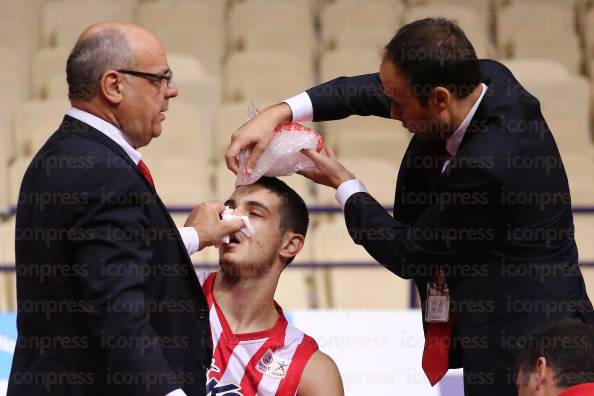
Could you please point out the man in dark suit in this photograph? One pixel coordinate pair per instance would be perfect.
(108, 300)
(480, 229)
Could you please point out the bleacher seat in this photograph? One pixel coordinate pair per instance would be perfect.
(349, 62)
(565, 104)
(203, 43)
(7, 259)
(4, 155)
(185, 133)
(155, 15)
(228, 118)
(584, 229)
(63, 20)
(16, 171)
(482, 7)
(334, 130)
(475, 25)
(358, 15)
(266, 76)
(388, 145)
(333, 244)
(543, 31)
(34, 122)
(271, 25)
(47, 63)
(379, 176)
(580, 173)
(181, 181)
(537, 69)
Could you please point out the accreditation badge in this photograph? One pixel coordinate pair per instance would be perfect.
(437, 309)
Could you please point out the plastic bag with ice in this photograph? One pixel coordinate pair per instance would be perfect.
(282, 157)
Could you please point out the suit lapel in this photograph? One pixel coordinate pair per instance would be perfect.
(77, 127)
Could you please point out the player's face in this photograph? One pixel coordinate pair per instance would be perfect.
(254, 256)
(406, 107)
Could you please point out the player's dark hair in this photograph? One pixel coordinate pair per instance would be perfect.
(294, 213)
(434, 52)
(568, 347)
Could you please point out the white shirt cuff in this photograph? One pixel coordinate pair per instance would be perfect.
(190, 238)
(301, 107)
(348, 188)
(177, 392)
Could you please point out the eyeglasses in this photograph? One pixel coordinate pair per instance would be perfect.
(151, 76)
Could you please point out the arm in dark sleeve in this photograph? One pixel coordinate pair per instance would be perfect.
(345, 96)
(116, 253)
(464, 214)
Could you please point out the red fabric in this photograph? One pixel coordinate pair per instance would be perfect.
(146, 173)
(437, 349)
(579, 390)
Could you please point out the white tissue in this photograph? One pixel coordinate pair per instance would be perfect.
(248, 229)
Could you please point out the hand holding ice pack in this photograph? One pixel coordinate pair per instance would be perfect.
(283, 155)
(248, 230)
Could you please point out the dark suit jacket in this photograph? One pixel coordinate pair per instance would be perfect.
(108, 300)
(498, 221)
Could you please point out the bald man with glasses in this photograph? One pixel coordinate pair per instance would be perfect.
(108, 299)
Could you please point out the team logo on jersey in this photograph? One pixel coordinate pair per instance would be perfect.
(272, 365)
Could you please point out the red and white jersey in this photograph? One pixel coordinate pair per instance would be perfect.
(264, 363)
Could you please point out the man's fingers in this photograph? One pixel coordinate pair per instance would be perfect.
(330, 152)
(316, 157)
(231, 226)
(232, 153)
(255, 156)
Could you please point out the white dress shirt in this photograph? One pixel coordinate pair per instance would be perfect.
(302, 109)
(188, 234)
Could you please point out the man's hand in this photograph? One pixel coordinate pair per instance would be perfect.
(329, 171)
(257, 134)
(205, 218)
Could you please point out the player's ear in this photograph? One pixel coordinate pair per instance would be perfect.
(291, 245)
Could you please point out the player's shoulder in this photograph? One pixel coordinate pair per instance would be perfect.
(320, 377)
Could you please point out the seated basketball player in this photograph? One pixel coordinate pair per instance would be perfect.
(255, 350)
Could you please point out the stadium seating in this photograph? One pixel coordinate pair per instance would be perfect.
(155, 15)
(268, 25)
(180, 181)
(63, 20)
(348, 62)
(379, 176)
(580, 173)
(203, 43)
(543, 31)
(186, 134)
(7, 279)
(584, 229)
(358, 15)
(256, 76)
(385, 290)
(47, 63)
(482, 7)
(34, 122)
(16, 171)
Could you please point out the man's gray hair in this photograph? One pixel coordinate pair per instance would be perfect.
(92, 57)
